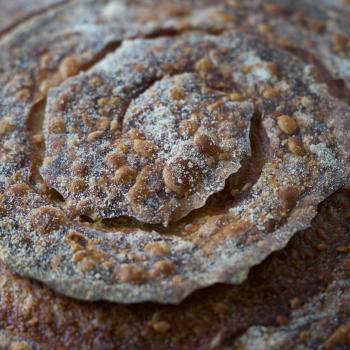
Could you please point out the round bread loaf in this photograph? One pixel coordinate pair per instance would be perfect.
(151, 149)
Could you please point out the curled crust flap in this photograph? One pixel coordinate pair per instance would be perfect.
(141, 144)
(129, 262)
(51, 47)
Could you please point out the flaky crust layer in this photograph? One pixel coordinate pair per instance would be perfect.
(147, 152)
(298, 296)
(109, 153)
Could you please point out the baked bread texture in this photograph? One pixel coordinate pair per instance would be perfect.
(14, 12)
(188, 153)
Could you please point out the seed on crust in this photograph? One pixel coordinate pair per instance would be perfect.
(182, 176)
(57, 145)
(157, 249)
(57, 126)
(339, 337)
(177, 93)
(139, 193)
(115, 101)
(76, 237)
(144, 148)
(161, 326)
(6, 127)
(47, 84)
(282, 320)
(288, 196)
(62, 101)
(271, 225)
(38, 139)
(69, 67)
(102, 181)
(296, 146)
(45, 60)
(19, 189)
(275, 9)
(102, 101)
(46, 219)
(136, 134)
(215, 106)
(271, 93)
(287, 124)
(121, 146)
(220, 308)
(124, 175)
(203, 65)
(88, 264)
(83, 207)
(22, 345)
(95, 81)
(77, 185)
(115, 160)
(236, 97)
(79, 168)
(224, 16)
(103, 123)
(115, 125)
(188, 127)
(47, 161)
(264, 28)
(129, 273)
(95, 135)
(206, 145)
(162, 268)
(225, 156)
(319, 26)
(22, 95)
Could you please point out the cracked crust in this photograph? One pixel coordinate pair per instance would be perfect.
(298, 297)
(277, 293)
(151, 150)
(306, 163)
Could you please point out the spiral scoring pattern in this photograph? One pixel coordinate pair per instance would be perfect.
(177, 144)
(151, 132)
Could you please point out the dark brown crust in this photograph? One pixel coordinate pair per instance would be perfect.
(276, 291)
(10, 342)
(152, 147)
(116, 266)
(257, 314)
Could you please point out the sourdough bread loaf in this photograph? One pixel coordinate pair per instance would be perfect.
(153, 149)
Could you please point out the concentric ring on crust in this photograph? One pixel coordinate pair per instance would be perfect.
(306, 163)
(131, 145)
(282, 289)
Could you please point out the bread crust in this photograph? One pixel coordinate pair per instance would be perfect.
(279, 70)
(14, 12)
(273, 300)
